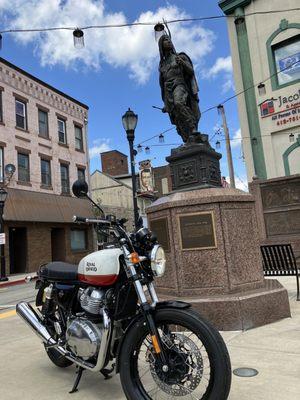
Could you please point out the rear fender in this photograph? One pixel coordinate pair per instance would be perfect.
(139, 319)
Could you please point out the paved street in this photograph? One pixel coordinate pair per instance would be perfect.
(274, 350)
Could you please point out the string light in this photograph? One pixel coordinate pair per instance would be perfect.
(139, 148)
(147, 150)
(78, 37)
(218, 144)
(292, 137)
(161, 138)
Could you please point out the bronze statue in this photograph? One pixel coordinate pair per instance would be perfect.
(179, 89)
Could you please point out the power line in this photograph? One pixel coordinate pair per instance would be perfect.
(173, 21)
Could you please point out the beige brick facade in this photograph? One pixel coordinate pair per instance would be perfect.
(30, 243)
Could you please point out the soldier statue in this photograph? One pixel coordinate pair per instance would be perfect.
(179, 89)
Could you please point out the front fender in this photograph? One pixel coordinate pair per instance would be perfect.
(139, 318)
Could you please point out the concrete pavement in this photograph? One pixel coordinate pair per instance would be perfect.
(274, 350)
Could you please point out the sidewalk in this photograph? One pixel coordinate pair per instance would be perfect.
(17, 279)
(274, 350)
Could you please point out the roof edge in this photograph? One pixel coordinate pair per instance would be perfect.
(228, 6)
(9, 64)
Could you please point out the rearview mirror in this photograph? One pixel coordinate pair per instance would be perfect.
(80, 188)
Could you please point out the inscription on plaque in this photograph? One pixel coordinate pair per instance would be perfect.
(283, 194)
(160, 228)
(283, 223)
(197, 231)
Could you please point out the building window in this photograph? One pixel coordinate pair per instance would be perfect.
(287, 60)
(64, 175)
(164, 186)
(78, 240)
(78, 138)
(45, 172)
(21, 118)
(43, 123)
(23, 167)
(81, 174)
(1, 164)
(1, 109)
(62, 137)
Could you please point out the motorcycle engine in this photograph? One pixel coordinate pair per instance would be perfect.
(84, 336)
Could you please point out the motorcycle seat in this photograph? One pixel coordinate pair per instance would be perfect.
(59, 271)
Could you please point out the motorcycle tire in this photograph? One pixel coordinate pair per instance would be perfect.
(216, 354)
(58, 359)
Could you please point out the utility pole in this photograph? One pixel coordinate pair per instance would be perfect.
(228, 147)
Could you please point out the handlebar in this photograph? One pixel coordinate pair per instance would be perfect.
(90, 220)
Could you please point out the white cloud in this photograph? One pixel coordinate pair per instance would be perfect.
(222, 64)
(223, 67)
(99, 146)
(240, 182)
(237, 139)
(131, 47)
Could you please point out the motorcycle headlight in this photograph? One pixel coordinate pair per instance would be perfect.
(158, 260)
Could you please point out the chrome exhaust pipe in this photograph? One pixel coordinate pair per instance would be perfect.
(33, 320)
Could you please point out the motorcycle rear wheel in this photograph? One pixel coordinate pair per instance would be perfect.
(199, 364)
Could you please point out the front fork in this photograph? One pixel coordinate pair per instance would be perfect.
(147, 309)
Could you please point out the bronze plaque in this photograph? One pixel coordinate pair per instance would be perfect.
(280, 194)
(283, 223)
(197, 231)
(161, 230)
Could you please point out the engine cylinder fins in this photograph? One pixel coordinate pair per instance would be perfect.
(91, 300)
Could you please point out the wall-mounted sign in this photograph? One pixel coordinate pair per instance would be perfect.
(160, 228)
(146, 177)
(197, 231)
(283, 111)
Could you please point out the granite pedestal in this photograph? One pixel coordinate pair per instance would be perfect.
(213, 257)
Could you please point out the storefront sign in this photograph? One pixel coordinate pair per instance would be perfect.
(283, 111)
(197, 231)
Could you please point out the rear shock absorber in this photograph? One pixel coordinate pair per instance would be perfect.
(47, 299)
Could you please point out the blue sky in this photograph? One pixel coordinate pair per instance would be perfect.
(117, 68)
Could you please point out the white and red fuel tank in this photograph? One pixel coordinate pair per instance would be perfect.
(100, 268)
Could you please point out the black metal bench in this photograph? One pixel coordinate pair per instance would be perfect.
(279, 260)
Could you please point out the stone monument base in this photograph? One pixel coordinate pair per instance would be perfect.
(213, 257)
(244, 310)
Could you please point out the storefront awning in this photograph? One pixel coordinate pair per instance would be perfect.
(24, 205)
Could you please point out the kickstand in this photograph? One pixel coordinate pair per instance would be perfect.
(77, 380)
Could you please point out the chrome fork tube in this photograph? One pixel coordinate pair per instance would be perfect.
(153, 294)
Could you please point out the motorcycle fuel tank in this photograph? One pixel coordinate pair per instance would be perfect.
(100, 268)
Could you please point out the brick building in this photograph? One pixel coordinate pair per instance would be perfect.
(43, 133)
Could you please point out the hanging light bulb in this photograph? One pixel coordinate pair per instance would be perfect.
(147, 150)
(292, 137)
(261, 89)
(159, 30)
(161, 138)
(139, 148)
(78, 38)
(254, 141)
(218, 144)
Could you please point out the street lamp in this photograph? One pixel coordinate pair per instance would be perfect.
(9, 170)
(129, 121)
(3, 196)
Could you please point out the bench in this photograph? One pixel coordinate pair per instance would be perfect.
(279, 260)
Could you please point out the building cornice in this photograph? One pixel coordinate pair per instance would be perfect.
(228, 6)
(7, 63)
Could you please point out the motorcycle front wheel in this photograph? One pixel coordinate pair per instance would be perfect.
(198, 361)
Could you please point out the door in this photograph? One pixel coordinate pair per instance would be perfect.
(58, 244)
(18, 250)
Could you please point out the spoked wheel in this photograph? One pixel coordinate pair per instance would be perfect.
(197, 368)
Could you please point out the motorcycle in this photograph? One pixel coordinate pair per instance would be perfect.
(104, 316)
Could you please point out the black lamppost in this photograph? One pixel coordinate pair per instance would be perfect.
(129, 121)
(3, 196)
(9, 171)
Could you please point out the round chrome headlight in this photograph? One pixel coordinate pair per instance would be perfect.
(158, 260)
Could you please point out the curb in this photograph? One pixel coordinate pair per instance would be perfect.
(17, 282)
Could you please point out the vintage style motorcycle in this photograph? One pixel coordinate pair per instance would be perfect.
(104, 316)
